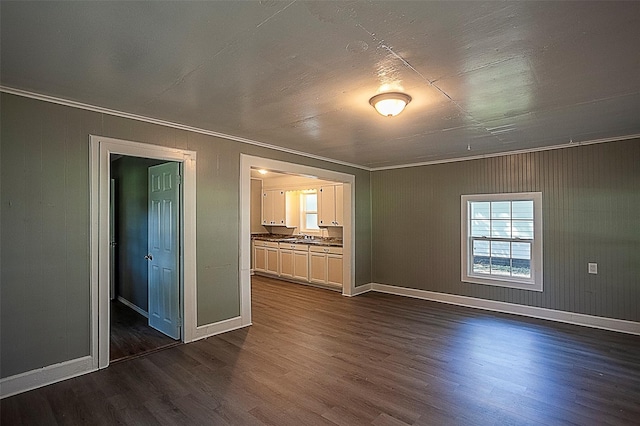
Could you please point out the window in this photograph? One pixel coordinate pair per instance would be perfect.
(502, 240)
(309, 210)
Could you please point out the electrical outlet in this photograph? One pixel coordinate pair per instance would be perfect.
(593, 268)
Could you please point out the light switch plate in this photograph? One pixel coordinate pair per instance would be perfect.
(593, 268)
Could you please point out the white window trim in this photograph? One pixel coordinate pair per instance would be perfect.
(535, 282)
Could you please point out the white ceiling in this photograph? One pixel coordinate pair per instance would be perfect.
(485, 77)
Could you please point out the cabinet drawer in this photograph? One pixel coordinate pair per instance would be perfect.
(261, 243)
(296, 247)
(325, 249)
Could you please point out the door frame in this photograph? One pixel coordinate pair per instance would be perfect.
(100, 150)
(247, 162)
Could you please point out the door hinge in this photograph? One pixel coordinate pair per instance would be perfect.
(179, 179)
(179, 322)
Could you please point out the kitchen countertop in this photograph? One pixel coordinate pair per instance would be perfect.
(293, 239)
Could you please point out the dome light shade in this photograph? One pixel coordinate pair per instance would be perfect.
(390, 104)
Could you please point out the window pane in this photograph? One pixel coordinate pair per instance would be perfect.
(521, 262)
(500, 249)
(500, 258)
(500, 266)
(500, 209)
(480, 210)
(521, 250)
(481, 259)
(481, 248)
(311, 202)
(522, 209)
(523, 229)
(480, 228)
(311, 221)
(501, 228)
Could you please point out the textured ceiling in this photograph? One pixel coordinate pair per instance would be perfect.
(484, 77)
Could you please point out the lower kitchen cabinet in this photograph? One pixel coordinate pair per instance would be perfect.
(294, 261)
(273, 264)
(334, 269)
(259, 256)
(299, 262)
(265, 257)
(325, 265)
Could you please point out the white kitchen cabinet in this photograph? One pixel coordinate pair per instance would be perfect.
(274, 208)
(272, 258)
(334, 269)
(279, 208)
(301, 265)
(259, 256)
(325, 265)
(294, 261)
(330, 205)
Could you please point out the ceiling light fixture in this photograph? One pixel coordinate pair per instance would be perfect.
(390, 104)
(262, 171)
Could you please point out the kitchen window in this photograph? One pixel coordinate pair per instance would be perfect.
(502, 240)
(309, 212)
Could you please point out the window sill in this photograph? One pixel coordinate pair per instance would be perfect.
(506, 282)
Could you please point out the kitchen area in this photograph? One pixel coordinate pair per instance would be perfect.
(297, 228)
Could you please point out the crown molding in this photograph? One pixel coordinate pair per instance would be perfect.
(505, 153)
(151, 120)
(101, 110)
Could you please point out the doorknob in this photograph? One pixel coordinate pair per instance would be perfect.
(148, 257)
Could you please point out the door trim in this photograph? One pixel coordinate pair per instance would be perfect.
(100, 149)
(348, 238)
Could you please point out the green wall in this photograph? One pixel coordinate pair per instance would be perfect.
(407, 225)
(44, 224)
(591, 205)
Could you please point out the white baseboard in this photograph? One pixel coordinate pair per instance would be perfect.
(45, 376)
(612, 324)
(132, 306)
(360, 290)
(209, 330)
(65, 370)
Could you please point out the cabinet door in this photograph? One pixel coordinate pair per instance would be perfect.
(339, 215)
(326, 205)
(260, 259)
(317, 267)
(286, 263)
(301, 265)
(267, 208)
(279, 207)
(334, 269)
(272, 261)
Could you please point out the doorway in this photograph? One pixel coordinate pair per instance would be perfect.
(101, 148)
(247, 163)
(135, 288)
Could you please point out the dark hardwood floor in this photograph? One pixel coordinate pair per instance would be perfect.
(314, 357)
(131, 334)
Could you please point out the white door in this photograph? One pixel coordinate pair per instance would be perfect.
(163, 254)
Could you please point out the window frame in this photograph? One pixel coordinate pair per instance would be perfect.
(304, 212)
(535, 282)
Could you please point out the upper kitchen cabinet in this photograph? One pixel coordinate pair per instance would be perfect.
(275, 211)
(274, 208)
(330, 207)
